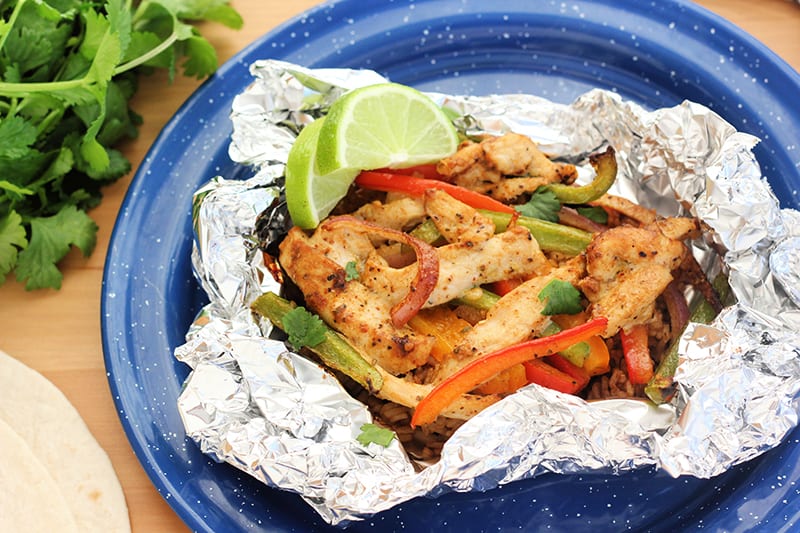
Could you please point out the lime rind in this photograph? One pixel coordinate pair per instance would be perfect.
(309, 195)
(384, 125)
(377, 126)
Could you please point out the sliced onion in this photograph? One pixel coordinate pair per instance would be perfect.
(677, 307)
(427, 266)
(693, 274)
(570, 217)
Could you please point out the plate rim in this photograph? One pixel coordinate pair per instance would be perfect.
(162, 483)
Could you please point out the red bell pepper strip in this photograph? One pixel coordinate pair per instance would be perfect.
(579, 374)
(636, 352)
(539, 372)
(389, 182)
(487, 366)
(421, 171)
(504, 286)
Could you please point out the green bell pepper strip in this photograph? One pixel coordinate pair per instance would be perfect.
(334, 351)
(575, 354)
(551, 237)
(427, 232)
(479, 299)
(605, 166)
(661, 387)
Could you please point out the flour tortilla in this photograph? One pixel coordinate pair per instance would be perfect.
(58, 438)
(30, 500)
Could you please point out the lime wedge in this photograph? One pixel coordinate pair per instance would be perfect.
(384, 125)
(309, 196)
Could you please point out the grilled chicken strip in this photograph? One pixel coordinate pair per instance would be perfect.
(504, 167)
(455, 220)
(515, 318)
(350, 307)
(462, 266)
(629, 267)
(401, 214)
(639, 213)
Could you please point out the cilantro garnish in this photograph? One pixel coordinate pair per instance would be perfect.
(12, 238)
(351, 271)
(562, 298)
(543, 205)
(594, 213)
(378, 435)
(51, 238)
(69, 69)
(303, 328)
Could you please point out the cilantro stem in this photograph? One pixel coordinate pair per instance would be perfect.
(133, 63)
(10, 89)
(51, 118)
(11, 20)
(23, 89)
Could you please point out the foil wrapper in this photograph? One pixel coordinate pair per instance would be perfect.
(251, 402)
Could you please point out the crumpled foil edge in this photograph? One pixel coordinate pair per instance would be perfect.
(251, 402)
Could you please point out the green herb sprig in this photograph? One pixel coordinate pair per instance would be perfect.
(561, 298)
(68, 69)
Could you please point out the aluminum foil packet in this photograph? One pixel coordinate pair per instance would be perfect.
(253, 403)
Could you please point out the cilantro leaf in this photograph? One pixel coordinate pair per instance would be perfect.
(378, 435)
(351, 271)
(16, 137)
(12, 239)
(51, 238)
(201, 59)
(594, 213)
(224, 14)
(562, 298)
(68, 70)
(543, 205)
(303, 328)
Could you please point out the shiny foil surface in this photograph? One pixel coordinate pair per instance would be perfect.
(251, 402)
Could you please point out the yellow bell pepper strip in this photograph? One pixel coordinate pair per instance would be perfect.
(506, 382)
(444, 326)
(390, 182)
(334, 351)
(638, 363)
(605, 166)
(491, 364)
(551, 237)
(596, 358)
(599, 359)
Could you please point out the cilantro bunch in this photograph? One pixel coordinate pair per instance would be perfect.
(68, 69)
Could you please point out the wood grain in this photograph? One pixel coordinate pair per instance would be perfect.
(58, 332)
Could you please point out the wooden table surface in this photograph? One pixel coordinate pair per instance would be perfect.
(58, 332)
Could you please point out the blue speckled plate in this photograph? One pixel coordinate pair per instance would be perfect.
(655, 53)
